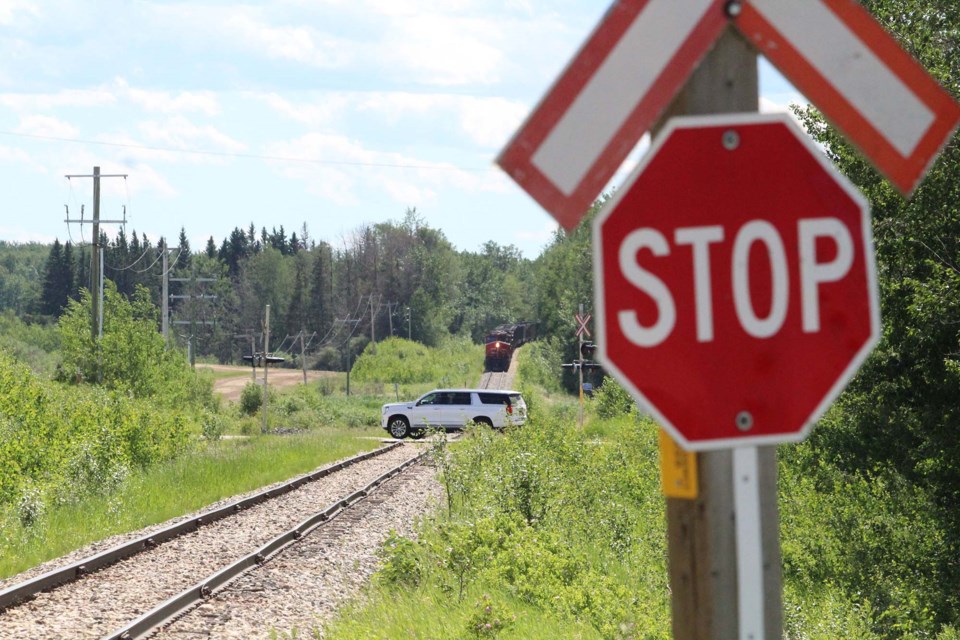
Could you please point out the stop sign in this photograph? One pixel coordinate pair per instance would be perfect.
(735, 286)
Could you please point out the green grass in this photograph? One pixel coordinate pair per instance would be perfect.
(548, 537)
(168, 490)
(427, 614)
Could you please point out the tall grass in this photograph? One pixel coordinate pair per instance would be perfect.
(187, 484)
(457, 362)
(546, 535)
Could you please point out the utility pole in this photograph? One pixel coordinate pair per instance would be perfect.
(95, 259)
(165, 294)
(253, 350)
(193, 280)
(409, 325)
(96, 256)
(303, 356)
(266, 368)
(701, 533)
(373, 336)
(580, 368)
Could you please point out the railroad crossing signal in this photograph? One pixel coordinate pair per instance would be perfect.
(754, 293)
(582, 325)
(643, 51)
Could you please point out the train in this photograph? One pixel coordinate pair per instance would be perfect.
(501, 342)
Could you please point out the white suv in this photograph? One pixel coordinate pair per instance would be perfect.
(451, 409)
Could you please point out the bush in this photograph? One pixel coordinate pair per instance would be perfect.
(57, 442)
(251, 398)
(572, 530)
(213, 426)
(611, 400)
(539, 364)
(396, 360)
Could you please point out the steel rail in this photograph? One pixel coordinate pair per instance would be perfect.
(167, 611)
(17, 593)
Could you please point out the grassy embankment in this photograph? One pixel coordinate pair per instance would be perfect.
(555, 532)
(82, 463)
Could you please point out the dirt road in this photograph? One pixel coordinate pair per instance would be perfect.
(230, 387)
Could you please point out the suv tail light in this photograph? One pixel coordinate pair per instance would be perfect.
(509, 409)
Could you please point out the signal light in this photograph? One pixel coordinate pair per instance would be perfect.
(587, 349)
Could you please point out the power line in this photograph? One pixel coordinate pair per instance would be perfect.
(249, 156)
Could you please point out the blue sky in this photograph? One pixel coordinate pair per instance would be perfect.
(332, 113)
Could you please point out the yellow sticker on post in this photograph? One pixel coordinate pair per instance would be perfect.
(678, 469)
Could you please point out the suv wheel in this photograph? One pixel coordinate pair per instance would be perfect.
(398, 427)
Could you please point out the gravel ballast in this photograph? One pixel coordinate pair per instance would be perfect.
(99, 603)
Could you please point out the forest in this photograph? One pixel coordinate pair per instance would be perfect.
(399, 278)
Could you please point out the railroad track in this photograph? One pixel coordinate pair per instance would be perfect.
(494, 380)
(135, 588)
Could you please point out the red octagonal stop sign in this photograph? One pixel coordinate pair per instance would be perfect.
(735, 286)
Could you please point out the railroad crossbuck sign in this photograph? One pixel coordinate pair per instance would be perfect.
(643, 51)
(735, 283)
(582, 324)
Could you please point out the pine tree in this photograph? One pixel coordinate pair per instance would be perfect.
(57, 281)
(184, 249)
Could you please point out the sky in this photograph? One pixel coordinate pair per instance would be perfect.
(332, 114)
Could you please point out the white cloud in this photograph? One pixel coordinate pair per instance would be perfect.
(21, 159)
(443, 50)
(316, 113)
(68, 98)
(46, 126)
(490, 122)
(300, 44)
(186, 101)
(355, 170)
(9, 9)
(179, 133)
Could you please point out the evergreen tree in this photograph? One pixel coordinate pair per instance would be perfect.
(57, 281)
(319, 308)
(184, 249)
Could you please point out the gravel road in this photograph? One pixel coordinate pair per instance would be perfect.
(101, 602)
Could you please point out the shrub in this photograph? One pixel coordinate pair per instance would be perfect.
(212, 426)
(251, 397)
(539, 363)
(396, 360)
(57, 442)
(611, 400)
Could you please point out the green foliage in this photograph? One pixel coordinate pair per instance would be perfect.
(456, 362)
(543, 526)
(895, 427)
(59, 442)
(864, 543)
(251, 398)
(611, 400)
(489, 618)
(33, 344)
(212, 426)
(539, 363)
(44, 524)
(131, 356)
(21, 279)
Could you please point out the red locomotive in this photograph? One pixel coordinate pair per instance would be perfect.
(501, 342)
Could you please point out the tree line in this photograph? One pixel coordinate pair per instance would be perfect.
(399, 277)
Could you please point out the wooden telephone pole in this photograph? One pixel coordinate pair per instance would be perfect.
(96, 256)
(701, 533)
